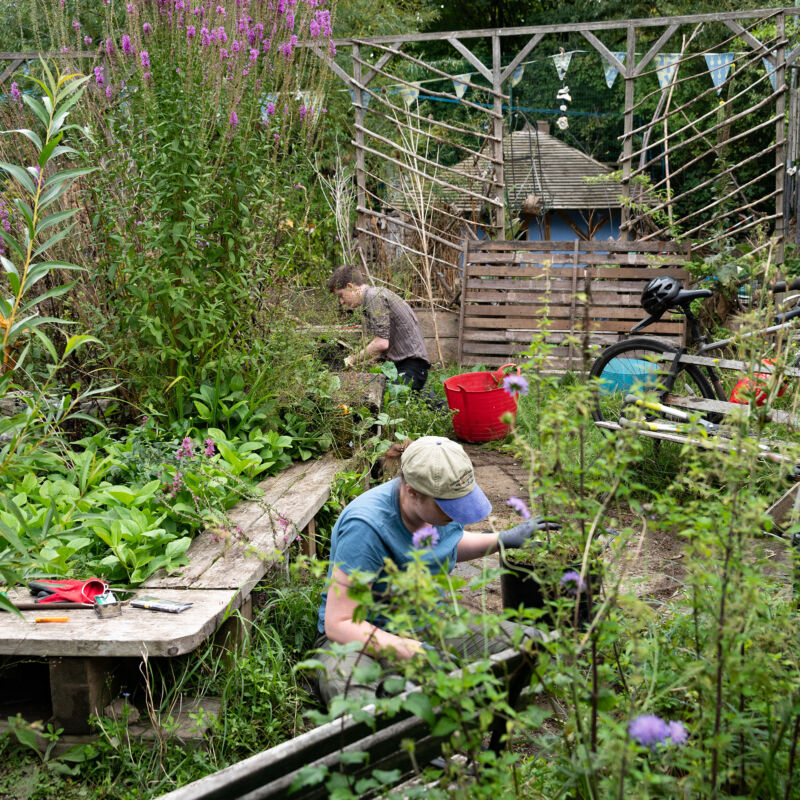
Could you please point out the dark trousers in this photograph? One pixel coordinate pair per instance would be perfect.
(413, 371)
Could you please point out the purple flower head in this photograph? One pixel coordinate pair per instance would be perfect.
(520, 506)
(87, 40)
(109, 92)
(221, 11)
(190, 32)
(677, 733)
(427, 536)
(99, 76)
(290, 20)
(649, 730)
(127, 47)
(235, 46)
(144, 57)
(270, 109)
(76, 25)
(109, 47)
(209, 451)
(515, 384)
(572, 582)
(233, 119)
(222, 37)
(16, 94)
(147, 28)
(253, 54)
(303, 112)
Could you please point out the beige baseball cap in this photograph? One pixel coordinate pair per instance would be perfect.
(439, 467)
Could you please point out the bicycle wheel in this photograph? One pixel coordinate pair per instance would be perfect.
(642, 365)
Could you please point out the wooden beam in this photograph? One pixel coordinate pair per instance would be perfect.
(517, 60)
(577, 27)
(358, 109)
(331, 64)
(10, 70)
(627, 140)
(748, 37)
(605, 52)
(499, 171)
(780, 137)
(382, 62)
(471, 57)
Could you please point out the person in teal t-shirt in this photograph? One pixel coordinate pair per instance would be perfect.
(436, 488)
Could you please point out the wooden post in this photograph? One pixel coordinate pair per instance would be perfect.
(780, 137)
(309, 541)
(627, 145)
(361, 178)
(497, 130)
(464, 268)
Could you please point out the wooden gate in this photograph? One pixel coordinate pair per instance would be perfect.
(513, 291)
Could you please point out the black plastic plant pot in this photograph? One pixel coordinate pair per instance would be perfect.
(537, 586)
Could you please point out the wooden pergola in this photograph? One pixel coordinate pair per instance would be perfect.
(388, 160)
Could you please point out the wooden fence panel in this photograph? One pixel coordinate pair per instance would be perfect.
(513, 291)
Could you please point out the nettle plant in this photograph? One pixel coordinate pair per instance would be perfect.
(202, 114)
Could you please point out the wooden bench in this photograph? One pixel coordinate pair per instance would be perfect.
(83, 653)
(270, 774)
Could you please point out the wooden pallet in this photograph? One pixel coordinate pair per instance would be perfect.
(513, 291)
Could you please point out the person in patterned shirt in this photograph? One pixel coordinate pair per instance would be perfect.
(395, 330)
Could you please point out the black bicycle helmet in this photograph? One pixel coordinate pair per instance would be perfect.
(659, 295)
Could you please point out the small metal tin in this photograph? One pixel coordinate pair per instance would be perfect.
(106, 605)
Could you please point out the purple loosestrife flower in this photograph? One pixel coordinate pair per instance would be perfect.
(427, 536)
(303, 112)
(222, 37)
(290, 20)
(205, 36)
(221, 11)
(99, 76)
(129, 8)
(233, 119)
(109, 92)
(76, 25)
(520, 506)
(253, 54)
(314, 29)
(144, 57)
(209, 451)
(109, 47)
(87, 40)
(16, 94)
(572, 582)
(649, 730)
(147, 28)
(270, 109)
(235, 46)
(515, 384)
(190, 32)
(323, 19)
(186, 450)
(677, 733)
(127, 47)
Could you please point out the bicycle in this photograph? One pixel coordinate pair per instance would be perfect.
(652, 365)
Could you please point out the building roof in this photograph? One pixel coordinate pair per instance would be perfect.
(536, 163)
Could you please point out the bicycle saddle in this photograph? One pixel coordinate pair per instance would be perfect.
(664, 293)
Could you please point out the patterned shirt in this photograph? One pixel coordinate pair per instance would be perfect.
(388, 316)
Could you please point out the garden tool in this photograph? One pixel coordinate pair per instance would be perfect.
(67, 590)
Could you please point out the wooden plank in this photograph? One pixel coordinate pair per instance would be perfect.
(592, 245)
(644, 260)
(478, 270)
(296, 494)
(779, 510)
(720, 407)
(134, 633)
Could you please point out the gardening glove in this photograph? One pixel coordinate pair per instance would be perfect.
(72, 591)
(519, 534)
(349, 362)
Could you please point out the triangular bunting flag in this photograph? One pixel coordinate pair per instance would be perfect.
(666, 68)
(719, 65)
(460, 85)
(561, 61)
(770, 68)
(516, 75)
(365, 97)
(612, 72)
(409, 93)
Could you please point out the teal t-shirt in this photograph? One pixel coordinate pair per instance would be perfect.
(370, 530)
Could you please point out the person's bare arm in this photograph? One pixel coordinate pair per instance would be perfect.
(369, 353)
(475, 545)
(340, 627)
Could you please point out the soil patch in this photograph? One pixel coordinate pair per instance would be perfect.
(653, 564)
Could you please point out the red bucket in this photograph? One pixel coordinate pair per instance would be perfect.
(479, 400)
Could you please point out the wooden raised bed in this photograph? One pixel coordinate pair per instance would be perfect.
(83, 653)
